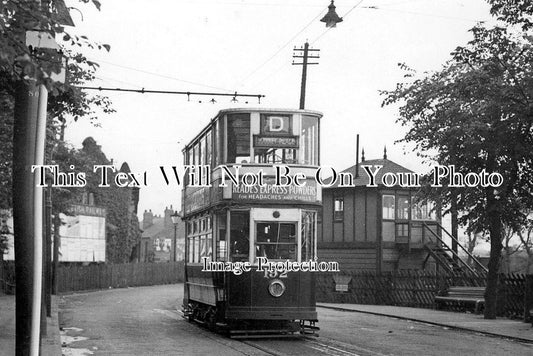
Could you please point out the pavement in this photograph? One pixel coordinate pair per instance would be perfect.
(501, 327)
(50, 344)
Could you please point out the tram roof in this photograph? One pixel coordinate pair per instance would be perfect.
(244, 110)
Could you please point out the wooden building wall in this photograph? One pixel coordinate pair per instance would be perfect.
(352, 241)
(356, 240)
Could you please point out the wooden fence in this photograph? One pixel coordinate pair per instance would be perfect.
(103, 276)
(406, 288)
(415, 289)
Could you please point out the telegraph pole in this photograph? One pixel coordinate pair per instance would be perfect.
(303, 53)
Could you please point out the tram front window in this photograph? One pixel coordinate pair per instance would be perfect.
(276, 241)
(275, 155)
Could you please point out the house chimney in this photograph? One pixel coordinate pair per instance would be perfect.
(168, 218)
(148, 219)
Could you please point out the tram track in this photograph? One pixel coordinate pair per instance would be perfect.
(309, 345)
(322, 346)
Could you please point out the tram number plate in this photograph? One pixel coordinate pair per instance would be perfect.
(275, 274)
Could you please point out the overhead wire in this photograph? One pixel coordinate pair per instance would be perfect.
(281, 48)
(421, 14)
(312, 42)
(107, 79)
(161, 75)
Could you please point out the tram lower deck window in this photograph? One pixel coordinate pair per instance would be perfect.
(276, 241)
(240, 235)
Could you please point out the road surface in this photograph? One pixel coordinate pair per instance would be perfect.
(146, 321)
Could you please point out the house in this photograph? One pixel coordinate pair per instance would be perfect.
(379, 228)
(157, 240)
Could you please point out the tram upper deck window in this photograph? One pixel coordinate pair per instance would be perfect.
(208, 148)
(190, 156)
(203, 155)
(276, 240)
(238, 148)
(309, 140)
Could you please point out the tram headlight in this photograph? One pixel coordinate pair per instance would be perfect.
(276, 288)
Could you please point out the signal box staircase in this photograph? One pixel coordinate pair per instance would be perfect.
(448, 259)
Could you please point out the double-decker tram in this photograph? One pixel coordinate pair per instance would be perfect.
(243, 228)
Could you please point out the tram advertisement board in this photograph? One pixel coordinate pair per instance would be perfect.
(196, 199)
(271, 192)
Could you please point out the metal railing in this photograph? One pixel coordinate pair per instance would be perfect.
(478, 264)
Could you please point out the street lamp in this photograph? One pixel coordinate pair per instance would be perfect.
(331, 19)
(175, 220)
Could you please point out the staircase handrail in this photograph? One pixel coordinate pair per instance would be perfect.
(453, 252)
(465, 250)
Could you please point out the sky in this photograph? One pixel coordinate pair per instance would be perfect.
(246, 46)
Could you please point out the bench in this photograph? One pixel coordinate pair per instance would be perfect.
(462, 296)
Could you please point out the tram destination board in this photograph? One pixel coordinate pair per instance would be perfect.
(275, 141)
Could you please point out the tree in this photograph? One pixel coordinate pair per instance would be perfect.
(514, 12)
(122, 227)
(471, 240)
(477, 114)
(19, 62)
(508, 249)
(526, 242)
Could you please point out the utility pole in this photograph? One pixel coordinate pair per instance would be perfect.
(24, 141)
(28, 150)
(304, 54)
(48, 251)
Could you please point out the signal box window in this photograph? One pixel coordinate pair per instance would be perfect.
(388, 207)
(238, 138)
(276, 241)
(240, 235)
(338, 212)
(422, 210)
(402, 232)
(402, 211)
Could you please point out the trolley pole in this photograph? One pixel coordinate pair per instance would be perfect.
(303, 53)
